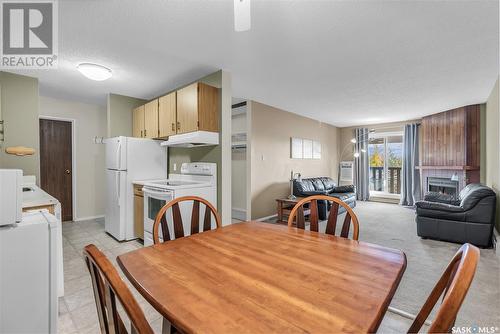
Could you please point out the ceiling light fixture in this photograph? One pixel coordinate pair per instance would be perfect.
(242, 20)
(94, 71)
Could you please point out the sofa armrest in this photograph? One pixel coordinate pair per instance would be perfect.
(343, 189)
(440, 198)
(426, 205)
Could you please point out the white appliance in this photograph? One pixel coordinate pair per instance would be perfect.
(129, 159)
(28, 265)
(11, 197)
(193, 139)
(346, 174)
(196, 179)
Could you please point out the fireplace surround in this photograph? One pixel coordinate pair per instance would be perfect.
(443, 185)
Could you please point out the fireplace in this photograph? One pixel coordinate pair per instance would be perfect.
(442, 185)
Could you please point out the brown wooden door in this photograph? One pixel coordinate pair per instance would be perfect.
(56, 163)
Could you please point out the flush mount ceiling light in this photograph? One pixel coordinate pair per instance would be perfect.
(94, 71)
(241, 15)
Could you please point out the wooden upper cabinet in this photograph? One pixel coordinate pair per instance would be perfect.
(198, 108)
(138, 122)
(167, 118)
(151, 119)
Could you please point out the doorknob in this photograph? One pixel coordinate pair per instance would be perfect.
(67, 171)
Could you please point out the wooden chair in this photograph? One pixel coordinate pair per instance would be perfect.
(455, 283)
(107, 286)
(312, 201)
(177, 218)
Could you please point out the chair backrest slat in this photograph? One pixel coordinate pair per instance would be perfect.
(195, 218)
(345, 227)
(297, 214)
(453, 285)
(178, 226)
(177, 217)
(164, 228)
(331, 224)
(207, 220)
(108, 287)
(313, 215)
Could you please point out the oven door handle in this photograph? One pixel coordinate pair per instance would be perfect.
(150, 192)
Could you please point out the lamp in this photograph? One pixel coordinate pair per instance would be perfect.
(94, 71)
(292, 178)
(454, 177)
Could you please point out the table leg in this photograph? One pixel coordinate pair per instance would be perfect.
(166, 327)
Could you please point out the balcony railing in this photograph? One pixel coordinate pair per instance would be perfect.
(393, 179)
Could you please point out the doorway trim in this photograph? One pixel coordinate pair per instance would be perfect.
(73, 157)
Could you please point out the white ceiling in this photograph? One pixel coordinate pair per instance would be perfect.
(342, 62)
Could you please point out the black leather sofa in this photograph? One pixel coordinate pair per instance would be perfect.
(325, 186)
(470, 218)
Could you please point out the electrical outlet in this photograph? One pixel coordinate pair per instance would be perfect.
(175, 167)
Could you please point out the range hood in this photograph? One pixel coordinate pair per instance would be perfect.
(193, 139)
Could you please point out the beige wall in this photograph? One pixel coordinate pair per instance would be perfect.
(89, 121)
(271, 164)
(493, 147)
(119, 114)
(19, 103)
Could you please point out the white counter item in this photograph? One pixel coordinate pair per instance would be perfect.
(10, 196)
(196, 179)
(129, 159)
(28, 279)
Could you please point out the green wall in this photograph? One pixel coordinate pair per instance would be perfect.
(19, 103)
(119, 114)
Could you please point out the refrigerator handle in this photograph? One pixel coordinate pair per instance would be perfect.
(119, 155)
(117, 180)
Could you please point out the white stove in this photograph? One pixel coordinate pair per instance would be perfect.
(196, 179)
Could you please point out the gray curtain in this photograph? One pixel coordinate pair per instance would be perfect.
(361, 165)
(410, 176)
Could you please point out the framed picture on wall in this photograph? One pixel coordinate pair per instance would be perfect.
(296, 148)
(308, 149)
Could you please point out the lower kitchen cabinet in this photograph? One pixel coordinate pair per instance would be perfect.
(138, 211)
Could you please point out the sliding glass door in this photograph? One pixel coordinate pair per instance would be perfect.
(385, 154)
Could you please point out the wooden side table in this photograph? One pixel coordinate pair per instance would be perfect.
(285, 206)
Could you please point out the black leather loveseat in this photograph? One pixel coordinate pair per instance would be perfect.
(470, 218)
(325, 186)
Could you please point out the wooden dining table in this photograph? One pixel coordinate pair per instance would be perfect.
(254, 277)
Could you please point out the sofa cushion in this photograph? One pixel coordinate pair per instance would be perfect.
(344, 189)
(318, 184)
(305, 185)
(328, 183)
(473, 193)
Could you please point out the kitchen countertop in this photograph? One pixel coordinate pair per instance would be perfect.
(142, 182)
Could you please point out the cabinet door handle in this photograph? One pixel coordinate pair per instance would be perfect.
(173, 126)
(144, 133)
(178, 125)
(141, 133)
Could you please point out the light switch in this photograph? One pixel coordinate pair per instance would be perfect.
(175, 167)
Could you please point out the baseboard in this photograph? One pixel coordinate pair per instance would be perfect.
(266, 218)
(384, 200)
(240, 214)
(87, 218)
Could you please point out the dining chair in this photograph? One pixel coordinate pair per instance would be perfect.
(454, 283)
(177, 218)
(312, 202)
(108, 286)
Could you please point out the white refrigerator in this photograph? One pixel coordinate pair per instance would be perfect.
(128, 160)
